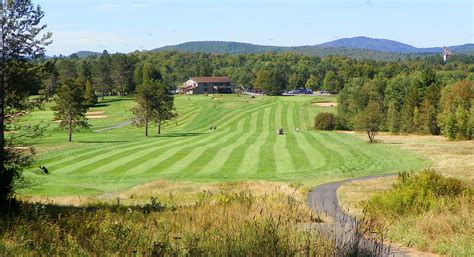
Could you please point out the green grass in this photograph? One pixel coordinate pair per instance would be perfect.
(244, 147)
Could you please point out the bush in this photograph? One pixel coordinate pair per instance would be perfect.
(325, 121)
(416, 193)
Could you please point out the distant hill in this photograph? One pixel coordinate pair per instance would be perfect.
(245, 48)
(85, 54)
(356, 47)
(220, 47)
(385, 45)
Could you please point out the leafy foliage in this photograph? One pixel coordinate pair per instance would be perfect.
(22, 40)
(325, 121)
(416, 193)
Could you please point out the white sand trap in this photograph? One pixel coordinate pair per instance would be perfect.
(326, 104)
(95, 113)
(96, 116)
(57, 121)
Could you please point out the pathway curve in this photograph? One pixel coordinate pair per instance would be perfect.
(121, 124)
(323, 199)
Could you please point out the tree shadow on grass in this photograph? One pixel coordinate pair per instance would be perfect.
(102, 141)
(106, 102)
(180, 134)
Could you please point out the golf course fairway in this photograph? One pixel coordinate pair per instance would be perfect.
(243, 146)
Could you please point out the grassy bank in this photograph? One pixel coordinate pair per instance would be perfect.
(225, 220)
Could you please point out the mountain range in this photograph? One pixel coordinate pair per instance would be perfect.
(355, 47)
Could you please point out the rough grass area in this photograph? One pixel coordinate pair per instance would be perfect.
(219, 221)
(243, 147)
(431, 212)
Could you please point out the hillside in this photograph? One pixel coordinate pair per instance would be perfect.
(356, 47)
(222, 47)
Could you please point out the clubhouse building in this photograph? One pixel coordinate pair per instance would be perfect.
(207, 85)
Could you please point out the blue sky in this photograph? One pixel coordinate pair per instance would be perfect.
(125, 26)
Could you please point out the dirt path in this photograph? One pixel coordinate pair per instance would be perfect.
(121, 124)
(323, 199)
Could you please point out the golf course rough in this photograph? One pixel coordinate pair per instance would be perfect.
(243, 146)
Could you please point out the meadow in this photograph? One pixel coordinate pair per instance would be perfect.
(243, 147)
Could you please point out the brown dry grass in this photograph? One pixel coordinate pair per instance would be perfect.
(431, 231)
(450, 158)
(178, 193)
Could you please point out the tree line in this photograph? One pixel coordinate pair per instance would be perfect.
(422, 95)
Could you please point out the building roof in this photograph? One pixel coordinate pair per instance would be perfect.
(211, 79)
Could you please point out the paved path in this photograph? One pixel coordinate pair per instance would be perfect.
(121, 124)
(323, 199)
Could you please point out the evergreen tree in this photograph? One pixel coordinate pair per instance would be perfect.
(393, 119)
(462, 122)
(21, 31)
(70, 108)
(103, 74)
(147, 104)
(90, 99)
(122, 72)
(165, 110)
(451, 127)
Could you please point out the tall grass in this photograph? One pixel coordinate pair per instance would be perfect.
(432, 212)
(224, 224)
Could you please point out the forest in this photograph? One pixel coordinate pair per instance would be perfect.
(422, 95)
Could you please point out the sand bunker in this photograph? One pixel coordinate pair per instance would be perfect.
(326, 104)
(96, 116)
(95, 113)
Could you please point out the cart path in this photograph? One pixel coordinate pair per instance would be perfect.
(323, 199)
(121, 124)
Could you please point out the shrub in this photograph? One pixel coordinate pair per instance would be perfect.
(416, 193)
(325, 121)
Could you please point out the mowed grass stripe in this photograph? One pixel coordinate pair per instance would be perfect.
(175, 155)
(280, 149)
(213, 116)
(62, 160)
(358, 158)
(197, 157)
(87, 151)
(250, 159)
(229, 158)
(207, 155)
(97, 161)
(294, 142)
(97, 154)
(331, 159)
(120, 165)
(266, 158)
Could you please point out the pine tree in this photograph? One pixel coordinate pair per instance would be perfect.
(89, 94)
(70, 108)
(451, 128)
(463, 126)
(393, 119)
